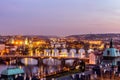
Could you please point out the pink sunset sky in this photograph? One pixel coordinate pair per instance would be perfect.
(59, 17)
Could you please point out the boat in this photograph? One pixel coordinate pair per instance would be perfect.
(11, 73)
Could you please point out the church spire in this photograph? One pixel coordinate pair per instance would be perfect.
(111, 43)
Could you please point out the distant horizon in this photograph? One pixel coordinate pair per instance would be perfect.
(55, 35)
(59, 17)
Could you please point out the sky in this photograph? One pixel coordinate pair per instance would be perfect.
(59, 17)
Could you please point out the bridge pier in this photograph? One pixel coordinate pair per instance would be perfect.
(18, 61)
(62, 62)
(68, 50)
(40, 61)
(77, 50)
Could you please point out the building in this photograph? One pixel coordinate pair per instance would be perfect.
(111, 55)
(92, 58)
(2, 46)
(95, 57)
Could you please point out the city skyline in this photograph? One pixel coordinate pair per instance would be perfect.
(62, 18)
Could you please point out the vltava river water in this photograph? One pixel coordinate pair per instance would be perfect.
(50, 65)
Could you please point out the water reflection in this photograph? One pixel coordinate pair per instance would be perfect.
(29, 61)
(51, 61)
(49, 65)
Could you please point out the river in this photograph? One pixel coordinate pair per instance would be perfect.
(51, 65)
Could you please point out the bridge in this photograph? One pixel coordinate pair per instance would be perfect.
(42, 57)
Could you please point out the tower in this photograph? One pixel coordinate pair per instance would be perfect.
(111, 43)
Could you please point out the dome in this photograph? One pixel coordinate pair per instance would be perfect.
(112, 52)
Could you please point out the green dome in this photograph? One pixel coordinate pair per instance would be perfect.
(111, 52)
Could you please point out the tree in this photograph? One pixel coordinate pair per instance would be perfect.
(82, 66)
